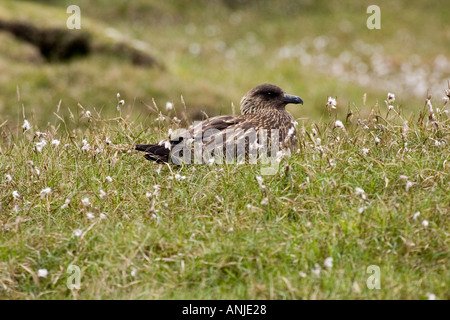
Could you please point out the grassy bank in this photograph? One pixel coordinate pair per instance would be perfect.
(374, 192)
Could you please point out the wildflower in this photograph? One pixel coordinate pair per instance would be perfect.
(416, 215)
(45, 191)
(86, 147)
(260, 182)
(118, 96)
(365, 151)
(390, 107)
(425, 223)
(102, 194)
(265, 201)
(40, 145)
(42, 273)
(331, 103)
(8, 178)
(328, 263)
(361, 192)
(211, 161)
(90, 215)
(169, 106)
(66, 204)
(301, 274)
(108, 179)
(339, 124)
(316, 270)
(77, 232)
(103, 216)
(408, 185)
(85, 202)
(41, 135)
(26, 125)
(88, 114)
(55, 143)
(108, 141)
(15, 194)
(431, 296)
(121, 102)
(179, 177)
(390, 97)
(37, 171)
(377, 140)
(176, 120)
(148, 195)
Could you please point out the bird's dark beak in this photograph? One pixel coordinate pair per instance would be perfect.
(288, 98)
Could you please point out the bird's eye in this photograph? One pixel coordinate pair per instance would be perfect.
(270, 93)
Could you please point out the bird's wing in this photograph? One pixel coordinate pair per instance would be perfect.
(210, 128)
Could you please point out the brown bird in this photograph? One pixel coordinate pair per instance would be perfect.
(263, 117)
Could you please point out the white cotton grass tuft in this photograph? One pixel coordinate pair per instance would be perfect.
(179, 177)
(26, 125)
(431, 296)
(42, 273)
(102, 194)
(90, 215)
(55, 143)
(15, 195)
(77, 232)
(40, 145)
(45, 191)
(328, 263)
(331, 103)
(339, 124)
(109, 179)
(8, 178)
(169, 106)
(85, 202)
(66, 204)
(360, 192)
(425, 223)
(390, 97)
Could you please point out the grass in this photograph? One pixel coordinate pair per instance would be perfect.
(240, 45)
(216, 233)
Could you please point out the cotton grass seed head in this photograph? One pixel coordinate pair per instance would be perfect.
(26, 125)
(328, 263)
(339, 124)
(42, 273)
(55, 143)
(85, 202)
(45, 191)
(15, 194)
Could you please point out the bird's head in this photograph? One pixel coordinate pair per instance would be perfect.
(265, 97)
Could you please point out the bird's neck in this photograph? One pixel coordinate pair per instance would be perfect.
(247, 107)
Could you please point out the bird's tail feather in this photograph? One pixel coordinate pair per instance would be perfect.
(155, 152)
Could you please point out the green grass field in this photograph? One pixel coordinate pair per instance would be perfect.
(374, 193)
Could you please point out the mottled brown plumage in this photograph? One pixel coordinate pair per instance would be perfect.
(263, 107)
